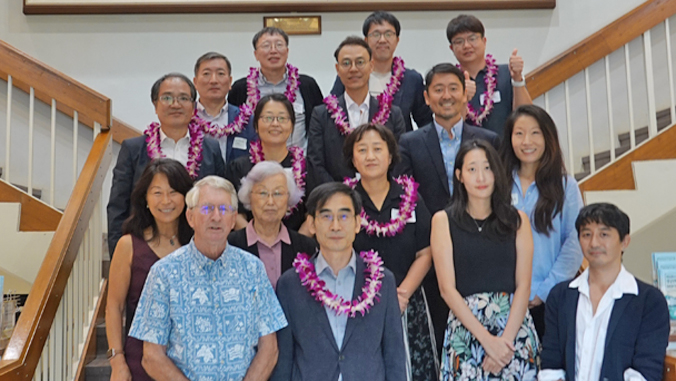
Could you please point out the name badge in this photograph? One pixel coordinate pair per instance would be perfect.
(496, 97)
(239, 143)
(515, 199)
(395, 214)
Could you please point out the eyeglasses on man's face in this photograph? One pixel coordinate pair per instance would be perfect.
(460, 41)
(280, 46)
(328, 218)
(388, 35)
(346, 64)
(222, 209)
(169, 100)
(268, 119)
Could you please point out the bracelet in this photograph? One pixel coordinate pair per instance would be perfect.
(521, 83)
(112, 352)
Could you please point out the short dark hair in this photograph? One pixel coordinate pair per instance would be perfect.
(271, 30)
(378, 18)
(155, 90)
(352, 40)
(462, 24)
(606, 214)
(321, 195)
(212, 56)
(385, 134)
(444, 68)
(140, 218)
(275, 97)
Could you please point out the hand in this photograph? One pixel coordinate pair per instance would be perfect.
(470, 87)
(535, 302)
(120, 369)
(403, 300)
(499, 349)
(516, 66)
(491, 366)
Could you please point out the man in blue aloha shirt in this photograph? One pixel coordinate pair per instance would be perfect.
(208, 310)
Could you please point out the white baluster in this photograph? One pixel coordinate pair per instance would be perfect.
(609, 96)
(547, 102)
(650, 84)
(630, 92)
(569, 128)
(670, 70)
(76, 125)
(590, 132)
(31, 121)
(52, 167)
(8, 139)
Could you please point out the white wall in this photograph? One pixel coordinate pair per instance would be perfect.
(121, 55)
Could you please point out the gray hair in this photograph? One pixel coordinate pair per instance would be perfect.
(216, 182)
(262, 171)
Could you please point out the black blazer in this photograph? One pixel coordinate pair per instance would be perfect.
(131, 162)
(420, 148)
(309, 90)
(299, 244)
(325, 158)
(637, 337)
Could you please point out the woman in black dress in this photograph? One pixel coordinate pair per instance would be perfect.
(274, 119)
(395, 223)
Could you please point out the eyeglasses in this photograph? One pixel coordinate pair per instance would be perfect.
(473, 39)
(347, 64)
(388, 35)
(276, 195)
(168, 100)
(223, 209)
(328, 218)
(267, 46)
(269, 119)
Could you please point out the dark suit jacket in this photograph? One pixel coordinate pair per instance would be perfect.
(409, 98)
(299, 244)
(637, 337)
(420, 149)
(247, 133)
(309, 90)
(131, 162)
(373, 346)
(325, 158)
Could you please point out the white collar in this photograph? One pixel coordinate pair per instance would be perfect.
(201, 108)
(164, 136)
(322, 264)
(349, 101)
(625, 283)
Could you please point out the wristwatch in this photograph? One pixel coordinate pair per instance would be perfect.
(112, 352)
(520, 83)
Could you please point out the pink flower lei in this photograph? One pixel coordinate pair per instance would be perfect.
(196, 132)
(407, 206)
(374, 274)
(491, 84)
(253, 94)
(297, 166)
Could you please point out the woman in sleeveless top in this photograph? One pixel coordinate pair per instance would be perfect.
(396, 223)
(541, 188)
(156, 227)
(482, 248)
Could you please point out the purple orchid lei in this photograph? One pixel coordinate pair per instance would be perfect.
(253, 94)
(374, 274)
(297, 166)
(196, 132)
(384, 101)
(491, 84)
(409, 199)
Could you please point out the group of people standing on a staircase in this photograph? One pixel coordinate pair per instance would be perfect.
(263, 231)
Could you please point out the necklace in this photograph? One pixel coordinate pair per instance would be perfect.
(491, 83)
(297, 166)
(407, 205)
(196, 132)
(479, 227)
(374, 273)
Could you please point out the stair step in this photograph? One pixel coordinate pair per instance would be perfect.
(37, 193)
(99, 369)
(101, 339)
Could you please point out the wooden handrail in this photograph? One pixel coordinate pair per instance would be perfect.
(50, 83)
(25, 347)
(122, 131)
(598, 45)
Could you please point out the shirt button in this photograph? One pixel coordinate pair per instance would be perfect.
(220, 333)
(341, 358)
(213, 279)
(216, 305)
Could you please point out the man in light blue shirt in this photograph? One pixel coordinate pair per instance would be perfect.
(208, 310)
(343, 329)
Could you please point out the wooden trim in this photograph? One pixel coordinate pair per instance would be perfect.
(598, 45)
(122, 131)
(89, 351)
(36, 216)
(25, 346)
(236, 6)
(620, 175)
(50, 83)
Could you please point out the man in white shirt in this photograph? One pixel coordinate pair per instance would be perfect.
(605, 324)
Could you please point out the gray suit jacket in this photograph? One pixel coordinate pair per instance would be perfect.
(373, 347)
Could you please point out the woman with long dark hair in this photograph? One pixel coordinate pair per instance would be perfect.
(156, 227)
(482, 249)
(541, 188)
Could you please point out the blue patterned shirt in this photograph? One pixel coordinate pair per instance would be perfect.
(209, 313)
(449, 148)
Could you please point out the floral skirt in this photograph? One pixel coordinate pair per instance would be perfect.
(421, 349)
(463, 355)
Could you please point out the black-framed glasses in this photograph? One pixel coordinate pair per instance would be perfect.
(388, 35)
(169, 100)
(268, 119)
(223, 209)
(473, 39)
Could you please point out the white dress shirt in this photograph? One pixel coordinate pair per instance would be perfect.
(378, 82)
(357, 114)
(175, 150)
(591, 329)
(219, 120)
